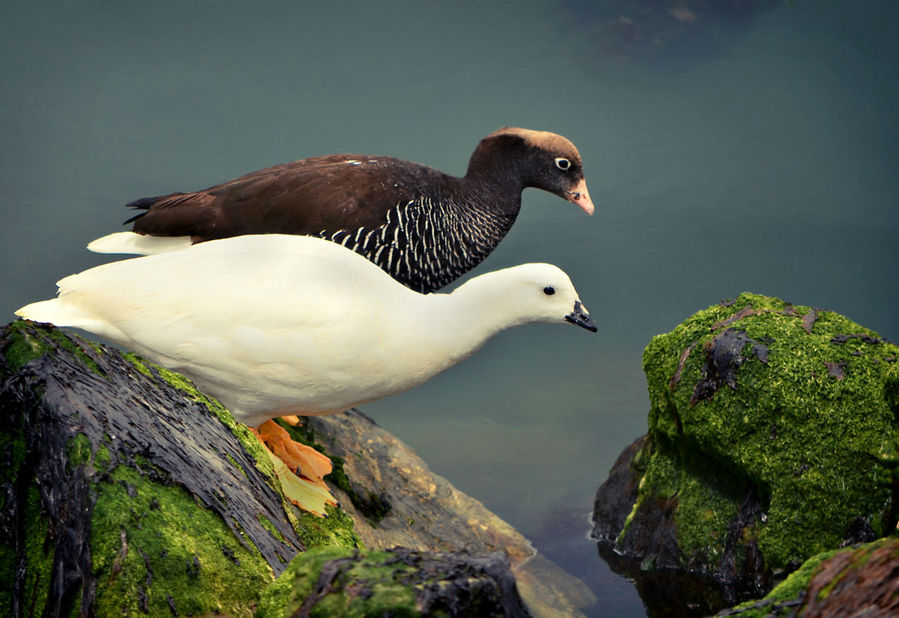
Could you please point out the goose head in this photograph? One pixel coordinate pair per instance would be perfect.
(528, 293)
(540, 159)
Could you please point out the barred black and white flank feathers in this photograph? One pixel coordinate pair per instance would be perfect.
(425, 228)
(425, 244)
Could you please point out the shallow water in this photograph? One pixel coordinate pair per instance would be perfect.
(726, 150)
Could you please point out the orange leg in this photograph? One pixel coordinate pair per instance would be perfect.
(304, 459)
(306, 489)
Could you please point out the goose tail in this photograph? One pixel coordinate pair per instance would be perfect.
(138, 244)
(52, 311)
(61, 313)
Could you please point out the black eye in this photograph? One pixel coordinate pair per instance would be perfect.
(562, 163)
(549, 290)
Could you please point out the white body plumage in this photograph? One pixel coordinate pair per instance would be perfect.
(280, 324)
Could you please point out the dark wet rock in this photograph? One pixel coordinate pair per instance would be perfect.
(771, 438)
(616, 497)
(123, 493)
(398, 581)
(124, 490)
(723, 357)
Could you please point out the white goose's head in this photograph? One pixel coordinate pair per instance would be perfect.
(530, 293)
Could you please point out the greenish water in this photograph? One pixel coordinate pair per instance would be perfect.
(751, 148)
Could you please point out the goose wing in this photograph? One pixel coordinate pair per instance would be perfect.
(308, 196)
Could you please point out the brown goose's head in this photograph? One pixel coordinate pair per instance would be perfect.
(537, 159)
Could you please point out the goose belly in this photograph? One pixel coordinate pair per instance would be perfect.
(260, 374)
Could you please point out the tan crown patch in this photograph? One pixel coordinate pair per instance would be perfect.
(552, 142)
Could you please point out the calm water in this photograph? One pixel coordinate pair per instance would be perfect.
(730, 150)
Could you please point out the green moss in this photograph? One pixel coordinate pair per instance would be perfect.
(268, 525)
(156, 548)
(247, 439)
(78, 451)
(27, 341)
(336, 528)
(102, 459)
(859, 557)
(808, 429)
(67, 341)
(705, 502)
(249, 442)
(629, 519)
(338, 475)
(138, 362)
(788, 590)
(234, 463)
(797, 583)
(375, 571)
(38, 553)
(23, 346)
(38, 559)
(296, 582)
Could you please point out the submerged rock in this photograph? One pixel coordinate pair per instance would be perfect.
(124, 490)
(771, 438)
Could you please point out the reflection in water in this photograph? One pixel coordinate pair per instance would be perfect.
(665, 32)
(667, 593)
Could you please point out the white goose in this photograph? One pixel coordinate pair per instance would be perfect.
(275, 325)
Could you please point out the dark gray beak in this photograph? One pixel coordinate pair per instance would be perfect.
(580, 317)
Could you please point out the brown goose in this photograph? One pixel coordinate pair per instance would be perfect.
(425, 228)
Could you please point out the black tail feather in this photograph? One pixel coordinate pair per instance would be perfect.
(144, 203)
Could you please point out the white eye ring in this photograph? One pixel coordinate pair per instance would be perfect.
(563, 164)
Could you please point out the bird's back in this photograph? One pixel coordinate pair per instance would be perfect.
(308, 196)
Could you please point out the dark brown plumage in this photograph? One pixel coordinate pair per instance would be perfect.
(422, 226)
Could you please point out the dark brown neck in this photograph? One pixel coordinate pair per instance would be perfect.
(495, 172)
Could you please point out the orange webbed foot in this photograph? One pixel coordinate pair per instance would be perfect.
(305, 459)
(308, 489)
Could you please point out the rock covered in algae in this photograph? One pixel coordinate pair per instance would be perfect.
(125, 491)
(772, 437)
(394, 582)
(860, 580)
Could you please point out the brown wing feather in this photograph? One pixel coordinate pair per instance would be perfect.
(333, 192)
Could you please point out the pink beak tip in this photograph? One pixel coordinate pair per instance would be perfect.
(583, 200)
(580, 197)
(586, 204)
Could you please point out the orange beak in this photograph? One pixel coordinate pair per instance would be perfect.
(580, 197)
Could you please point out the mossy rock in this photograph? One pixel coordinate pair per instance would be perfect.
(772, 437)
(856, 580)
(123, 490)
(400, 582)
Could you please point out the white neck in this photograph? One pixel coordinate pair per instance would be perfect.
(458, 324)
